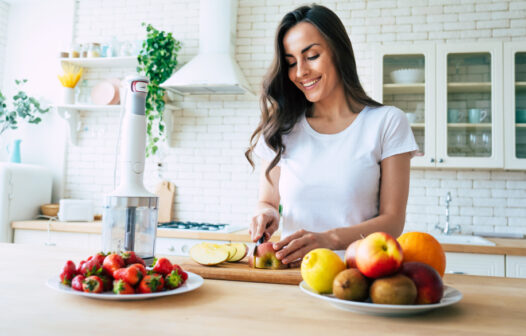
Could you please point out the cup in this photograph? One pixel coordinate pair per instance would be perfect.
(453, 116)
(411, 117)
(476, 116)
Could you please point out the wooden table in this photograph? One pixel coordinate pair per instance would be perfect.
(491, 306)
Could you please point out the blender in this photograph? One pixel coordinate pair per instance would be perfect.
(130, 211)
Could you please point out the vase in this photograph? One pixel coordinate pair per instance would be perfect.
(68, 96)
(14, 151)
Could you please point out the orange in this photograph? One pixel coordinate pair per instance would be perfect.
(423, 247)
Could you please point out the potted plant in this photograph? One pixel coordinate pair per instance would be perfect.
(157, 60)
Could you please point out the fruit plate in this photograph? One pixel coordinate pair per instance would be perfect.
(451, 296)
(193, 282)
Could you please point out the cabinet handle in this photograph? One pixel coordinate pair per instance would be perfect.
(171, 249)
(185, 249)
(432, 160)
(441, 161)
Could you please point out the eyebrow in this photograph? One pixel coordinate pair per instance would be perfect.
(304, 49)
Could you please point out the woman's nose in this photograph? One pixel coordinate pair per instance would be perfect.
(301, 69)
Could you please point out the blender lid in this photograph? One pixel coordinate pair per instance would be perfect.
(126, 202)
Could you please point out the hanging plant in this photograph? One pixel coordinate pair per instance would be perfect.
(157, 60)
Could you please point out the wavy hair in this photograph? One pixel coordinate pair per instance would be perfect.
(281, 102)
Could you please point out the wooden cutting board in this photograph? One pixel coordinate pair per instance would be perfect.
(240, 271)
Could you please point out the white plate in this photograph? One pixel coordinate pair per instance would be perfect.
(451, 296)
(193, 282)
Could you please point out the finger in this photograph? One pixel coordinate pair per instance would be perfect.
(260, 227)
(295, 264)
(297, 254)
(273, 227)
(294, 245)
(285, 241)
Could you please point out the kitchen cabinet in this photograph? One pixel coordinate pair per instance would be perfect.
(89, 241)
(475, 264)
(515, 105)
(456, 109)
(515, 266)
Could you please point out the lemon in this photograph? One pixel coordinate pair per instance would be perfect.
(319, 267)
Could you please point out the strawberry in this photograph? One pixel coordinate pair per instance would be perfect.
(99, 256)
(179, 269)
(91, 267)
(107, 282)
(173, 280)
(68, 273)
(92, 284)
(76, 283)
(130, 257)
(151, 283)
(141, 267)
(162, 266)
(122, 287)
(131, 274)
(112, 262)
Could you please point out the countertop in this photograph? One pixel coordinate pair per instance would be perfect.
(490, 306)
(503, 245)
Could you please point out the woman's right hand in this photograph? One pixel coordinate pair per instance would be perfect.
(265, 222)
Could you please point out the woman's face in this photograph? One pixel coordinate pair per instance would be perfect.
(309, 59)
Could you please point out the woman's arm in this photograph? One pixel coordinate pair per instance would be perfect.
(394, 190)
(266, 219)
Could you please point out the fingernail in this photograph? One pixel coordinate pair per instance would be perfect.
(275, 246)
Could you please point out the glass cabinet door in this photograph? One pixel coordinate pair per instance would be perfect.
(515, 105)
(469, 106)
(520, 105)
(405, 75)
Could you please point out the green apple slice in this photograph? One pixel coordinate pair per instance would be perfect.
(208, 255)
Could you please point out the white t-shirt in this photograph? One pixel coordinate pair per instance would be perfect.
(332, 180)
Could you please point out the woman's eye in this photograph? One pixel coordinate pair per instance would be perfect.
(291, 65)
(312, 58)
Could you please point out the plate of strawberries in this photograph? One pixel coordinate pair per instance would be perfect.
(124, 276)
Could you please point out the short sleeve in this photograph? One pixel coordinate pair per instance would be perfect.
(263, 151)
(398, 137)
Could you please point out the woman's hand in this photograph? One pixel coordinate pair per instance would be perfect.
(265, 222)
(294, 247)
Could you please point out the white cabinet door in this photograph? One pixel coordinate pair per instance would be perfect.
(62, 239)
(515, 266)
(180, 246)
(475, 264)
(515, 105)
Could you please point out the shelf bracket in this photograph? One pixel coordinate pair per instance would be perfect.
(71, 116)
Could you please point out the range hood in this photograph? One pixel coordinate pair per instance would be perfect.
(214, 70)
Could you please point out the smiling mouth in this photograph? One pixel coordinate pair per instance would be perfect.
(310, 84)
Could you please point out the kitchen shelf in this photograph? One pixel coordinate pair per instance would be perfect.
(520, 125)
(100, 62)
(418, 125)
(91, 107)
(474, 87)
(404, 88)
(469, 125)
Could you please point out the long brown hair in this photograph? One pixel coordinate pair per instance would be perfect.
(282, 103)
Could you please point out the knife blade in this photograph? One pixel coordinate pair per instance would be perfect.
(259, 242)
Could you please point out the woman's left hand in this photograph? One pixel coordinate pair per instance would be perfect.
(294, 247)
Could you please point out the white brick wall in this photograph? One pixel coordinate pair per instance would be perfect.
(205, 158)
(4, 12)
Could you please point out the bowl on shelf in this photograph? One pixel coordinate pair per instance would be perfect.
(520, 116)
(406, 76)
(50, 210)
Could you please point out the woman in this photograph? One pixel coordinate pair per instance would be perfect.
(336, 160)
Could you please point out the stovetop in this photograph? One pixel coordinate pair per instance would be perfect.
(200, 227)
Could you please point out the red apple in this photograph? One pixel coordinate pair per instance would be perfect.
(266, 258)
(379, 254)
(350, 254)
(427, 280)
